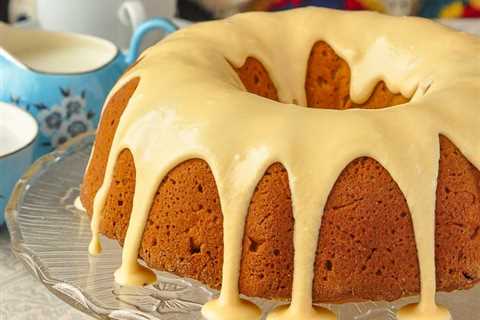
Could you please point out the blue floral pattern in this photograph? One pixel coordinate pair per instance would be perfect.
(64, 120)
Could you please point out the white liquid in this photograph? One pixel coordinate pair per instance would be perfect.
(9, 142)
(62, 59)
(78, 204)
(17, 129)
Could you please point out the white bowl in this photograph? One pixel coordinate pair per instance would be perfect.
(18, 132)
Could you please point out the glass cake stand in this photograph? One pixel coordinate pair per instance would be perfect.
(51, 237)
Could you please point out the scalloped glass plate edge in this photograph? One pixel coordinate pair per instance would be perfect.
(15, 235)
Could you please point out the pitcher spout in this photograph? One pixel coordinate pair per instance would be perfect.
(7, 34)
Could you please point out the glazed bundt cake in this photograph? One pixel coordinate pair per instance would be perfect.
(221, 156)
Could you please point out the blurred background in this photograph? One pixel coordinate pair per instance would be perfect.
(196, 10)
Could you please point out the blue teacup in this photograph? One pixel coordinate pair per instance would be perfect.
(63, 79)
(18, 131)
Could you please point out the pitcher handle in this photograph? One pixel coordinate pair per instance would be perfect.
(132, 13)
(155, 23)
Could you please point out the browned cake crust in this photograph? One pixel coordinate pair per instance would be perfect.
(366, 248)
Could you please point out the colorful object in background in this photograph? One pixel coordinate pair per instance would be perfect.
(289, 4)
(276, 5)
(472, 9)
(451, 9)
(393, 7)
(63, 79)
(425, 8)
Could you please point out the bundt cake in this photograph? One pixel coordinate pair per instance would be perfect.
(222, 156)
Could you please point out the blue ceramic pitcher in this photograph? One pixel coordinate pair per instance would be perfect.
(63, 79)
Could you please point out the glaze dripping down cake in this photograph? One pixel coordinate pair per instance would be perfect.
(222, 156)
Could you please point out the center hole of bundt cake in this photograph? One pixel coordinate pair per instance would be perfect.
(327, 84)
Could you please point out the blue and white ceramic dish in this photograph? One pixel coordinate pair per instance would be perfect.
(18, 131)
(63, 79)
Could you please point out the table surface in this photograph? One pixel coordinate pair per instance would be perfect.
(22, 297)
